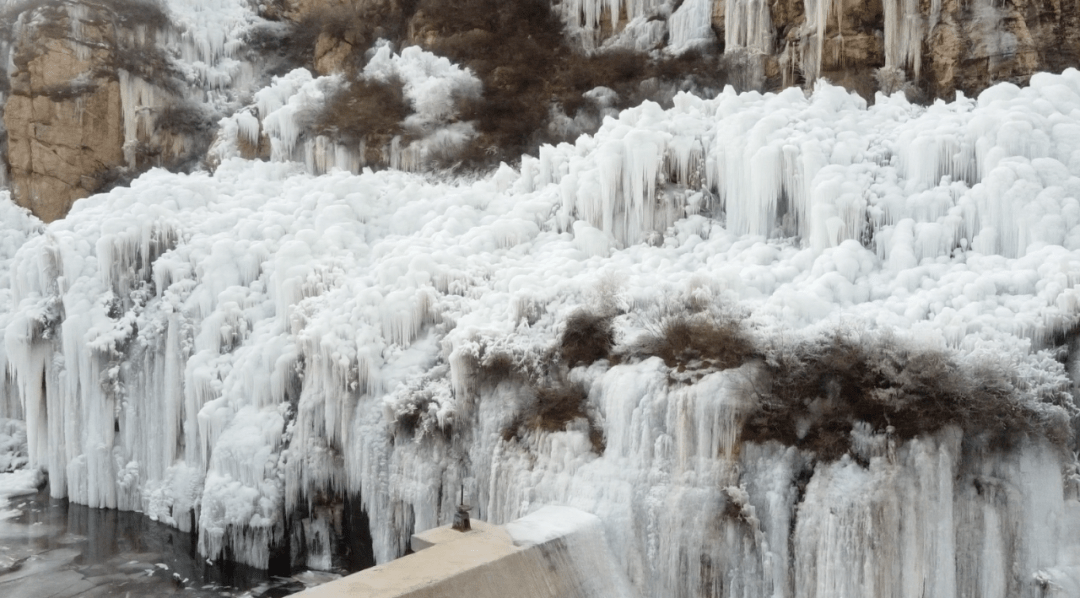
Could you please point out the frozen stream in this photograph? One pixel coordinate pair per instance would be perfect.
(50, 548)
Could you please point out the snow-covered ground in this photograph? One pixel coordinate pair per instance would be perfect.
(233, 344)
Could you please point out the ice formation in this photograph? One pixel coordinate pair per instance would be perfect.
(904, 32)
(691, 25)
(241, 343)
(748, 26)
(283, 110)
(15, 477)
(587, 14)
(12, 445)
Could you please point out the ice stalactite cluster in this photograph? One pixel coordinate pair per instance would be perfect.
(691, 25)
(243, 345)
(138, 99)
(812, 41)
(748, 26)
(905, 28)
(588, 14)
(919, 518)
(18, 227)
(207, 36)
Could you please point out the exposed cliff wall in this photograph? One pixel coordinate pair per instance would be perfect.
(63, 117)
(98, 92)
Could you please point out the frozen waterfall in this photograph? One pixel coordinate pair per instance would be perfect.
(236, 350)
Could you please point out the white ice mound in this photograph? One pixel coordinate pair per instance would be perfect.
(225, 347)
(431, 83)
(284, 111)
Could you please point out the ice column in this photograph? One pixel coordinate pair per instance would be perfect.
(691, 24)
(904, 31)
(748, 26)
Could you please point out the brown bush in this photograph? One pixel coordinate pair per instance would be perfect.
(185, 119)
(358, 24)
(716, 343)
(496, 368)
(587, 338)
(553, 408)
(825, 386)
(363, 108)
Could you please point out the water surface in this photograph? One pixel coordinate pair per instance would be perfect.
(50, 548)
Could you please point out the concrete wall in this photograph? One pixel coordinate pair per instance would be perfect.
(556, 552)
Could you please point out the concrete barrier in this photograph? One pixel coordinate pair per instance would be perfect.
(556, 552)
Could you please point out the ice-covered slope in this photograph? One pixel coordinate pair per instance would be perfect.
(228, 349)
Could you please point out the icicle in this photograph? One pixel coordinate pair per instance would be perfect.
(904, 32)
(748, 26)
(137, 99)
(691, 25)
(812, 43)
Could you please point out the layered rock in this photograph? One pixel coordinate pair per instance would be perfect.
(94, 100)
(64, 121)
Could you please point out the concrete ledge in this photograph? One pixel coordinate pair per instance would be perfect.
(557, 552)
(440, 535)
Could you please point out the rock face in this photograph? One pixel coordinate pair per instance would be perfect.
(94, 100)
(64, 122)
(70, 131)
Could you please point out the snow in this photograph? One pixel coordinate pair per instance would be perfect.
(283, 110)
(431, 83)
(242, 341)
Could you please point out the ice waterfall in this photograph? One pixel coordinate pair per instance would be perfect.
(241, 345)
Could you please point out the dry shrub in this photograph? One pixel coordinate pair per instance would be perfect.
(819, 389)
(588, 338)
(552, 410)
(497, 368)
(363, 108)
(720, 343)
(358, 24)
(557, 406)
(185, 119)
(519, 52)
